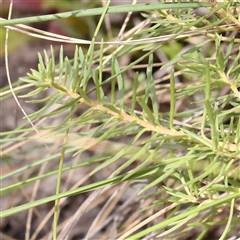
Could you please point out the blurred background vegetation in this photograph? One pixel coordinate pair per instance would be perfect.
(119, 208)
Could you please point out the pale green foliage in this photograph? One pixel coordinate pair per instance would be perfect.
(187, 156)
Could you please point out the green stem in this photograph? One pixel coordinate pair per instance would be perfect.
(99, 11)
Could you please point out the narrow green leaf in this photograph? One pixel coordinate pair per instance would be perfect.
(75, 80)
(209, 110)
(172, 100)
(152, 88)
(146, 110)
(120, 84)
(61, 65)
(32, 93)
(134, 93)
(100, 93)
(196, 138)
(84, 95)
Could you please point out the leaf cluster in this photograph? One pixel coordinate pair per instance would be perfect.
(182, 154)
